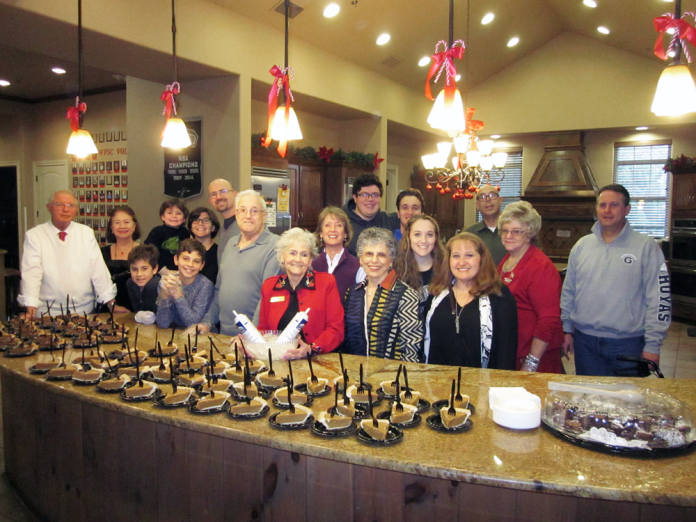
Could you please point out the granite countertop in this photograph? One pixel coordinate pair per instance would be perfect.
(533, 460)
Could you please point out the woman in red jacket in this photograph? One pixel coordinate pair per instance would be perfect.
(299, 289)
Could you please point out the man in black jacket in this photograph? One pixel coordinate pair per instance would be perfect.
(363, 211)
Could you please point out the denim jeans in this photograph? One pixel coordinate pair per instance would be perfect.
(597, 355)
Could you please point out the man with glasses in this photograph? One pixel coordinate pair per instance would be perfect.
(363, 210)
(61, 258)
(488, 202)
(248, 261)
(221, 195)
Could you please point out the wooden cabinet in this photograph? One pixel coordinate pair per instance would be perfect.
(440, 206)
(338, 176)
(683, 195)
(306, 193)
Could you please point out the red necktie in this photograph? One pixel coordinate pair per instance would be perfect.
(62, 235)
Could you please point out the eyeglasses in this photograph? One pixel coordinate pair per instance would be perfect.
(60, 204)
(253, 211)
(365, 195)
(515, 232)
(220, 192)
(201, 221)
(490, 197)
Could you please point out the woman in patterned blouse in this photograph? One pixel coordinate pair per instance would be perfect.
(381, 312)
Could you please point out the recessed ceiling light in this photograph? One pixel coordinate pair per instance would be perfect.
(458, 77)
(589, 3)
(424, 61)
(487, 19)
(4, 83)
(603, 29)
(513, 42)
(495, 136)
(383, 38)
(331, 10)
(58, 70)
(641, 128)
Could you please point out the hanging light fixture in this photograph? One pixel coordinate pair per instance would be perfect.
(175, 135)
(474, 162)
(676, 93)
(283, 125)
(81, 143)
(448, 110)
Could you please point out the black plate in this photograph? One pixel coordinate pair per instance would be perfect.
(116, 355)
(119, 390)
(421, 407)
(192, 408)
(85, 347)
(282, 406)
(258, 415)
(113, 341)
(442, 403)
(410, 424)
(58, 379)
(376, 399)
(90, 383)
(269, 388)
(153, 397)
(159, 402)
(254, 373)
(205, 393)
(302, 388)
(367, 385)
(155, 353)
(272, 421)
(56, 347)
(28, 354)
(360, 410)
(618, 450)
(385, 395)
(319, 429)
(394, 435)
(435, 422)
(33, 370)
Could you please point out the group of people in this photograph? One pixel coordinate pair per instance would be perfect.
(375, 284)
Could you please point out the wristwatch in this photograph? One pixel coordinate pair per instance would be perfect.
(315, 348)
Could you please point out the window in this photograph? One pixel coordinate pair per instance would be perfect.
(511, 186)
(639, 168)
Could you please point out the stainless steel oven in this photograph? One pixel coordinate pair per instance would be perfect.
(683, 243)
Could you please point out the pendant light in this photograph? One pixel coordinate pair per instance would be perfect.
(175, 135)
(283, 125)
(81, 143)
(676, 93)
(448, 110)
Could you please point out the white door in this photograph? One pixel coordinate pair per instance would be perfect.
(392, 187)
(49, 176)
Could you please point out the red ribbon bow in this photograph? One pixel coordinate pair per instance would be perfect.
(376, 161)
(682, 31)
(325, 154)
(168, 98)
(443, 61)
(74, 114)
(472, 125)
(282, 78)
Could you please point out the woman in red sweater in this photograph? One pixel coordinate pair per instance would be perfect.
(534, 281)
(299, 289)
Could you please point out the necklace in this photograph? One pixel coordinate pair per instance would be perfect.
(122, 252)
(456, 311)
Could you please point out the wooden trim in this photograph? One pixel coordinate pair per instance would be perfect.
(618, 144)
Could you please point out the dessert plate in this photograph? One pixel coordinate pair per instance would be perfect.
(220, 409)
(410, 424)
(251, 416)
(444, 403)
(394, 435)
(275, 424)
(8, 353)
(282, 406)
(302, 388)
(152, 397)
(435, 422)
(319, 429)
(360, 410)
(59, 379)
(34, 371)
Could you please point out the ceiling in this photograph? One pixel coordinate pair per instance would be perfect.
(415, 27)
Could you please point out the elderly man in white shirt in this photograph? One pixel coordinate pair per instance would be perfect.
(62, 258)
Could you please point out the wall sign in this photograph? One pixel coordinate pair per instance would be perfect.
(182, 168)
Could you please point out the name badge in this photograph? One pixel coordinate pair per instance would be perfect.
(277, 298)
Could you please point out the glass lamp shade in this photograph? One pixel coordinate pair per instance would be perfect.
(461, 144)
(175, 134)
(448, 116)
(500, 159)
(440, 161)
(428, 161)
(444, 148)
(280, 132)
(675, 94)
(81, 144)
(473, 157)
(455, 162)
(486, 147)
(486, 162)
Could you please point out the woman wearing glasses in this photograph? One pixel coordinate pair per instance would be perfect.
(204, 227)
(534, 281)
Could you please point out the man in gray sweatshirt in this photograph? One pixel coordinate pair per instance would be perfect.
(616, 294)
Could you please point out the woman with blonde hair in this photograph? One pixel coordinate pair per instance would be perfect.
(471, 316)
(420, 253)
(536, 285)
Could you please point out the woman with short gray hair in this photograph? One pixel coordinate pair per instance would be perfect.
(382, 312)
(301, 289)
(536, 285)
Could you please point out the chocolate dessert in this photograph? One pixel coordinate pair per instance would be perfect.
(182, 396)
(49, 365)
(299, 416)
(281, 395)
(378, 433)
(114, 384)
(23, 350)
(254, 407)
(191, 380)
(217, 385)
(455, 420)
(212, 402)
(88, 375)
(63, 373)
(148, 389)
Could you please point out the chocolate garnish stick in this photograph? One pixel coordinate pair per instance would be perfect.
(459, 397)
(451, 411)
(271, 373)
(311, 370)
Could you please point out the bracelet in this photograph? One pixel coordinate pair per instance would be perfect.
(530, 364)
(531, 359)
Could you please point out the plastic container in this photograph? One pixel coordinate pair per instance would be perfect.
(517, 413)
